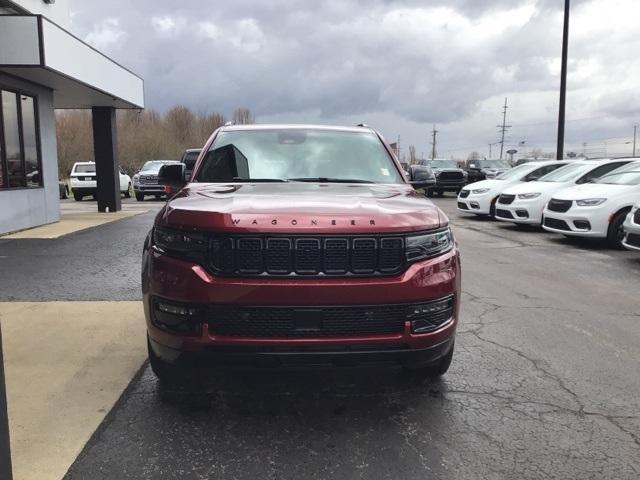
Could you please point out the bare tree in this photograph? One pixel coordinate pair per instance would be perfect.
(242, 116)
(474, 156)
(412, 154)
(142, 135)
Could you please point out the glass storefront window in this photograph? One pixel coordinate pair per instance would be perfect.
(19, 153)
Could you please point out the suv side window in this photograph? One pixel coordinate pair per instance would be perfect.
(600, 171)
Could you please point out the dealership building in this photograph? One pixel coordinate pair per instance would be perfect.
(43, 67)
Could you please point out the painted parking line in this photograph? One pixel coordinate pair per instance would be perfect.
(66, 363)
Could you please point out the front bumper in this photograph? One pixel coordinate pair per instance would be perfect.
(181, 281)
(149, 189)
(478, 204)
(294, 357)
(632, 233)
(596, 217)
(521, 211)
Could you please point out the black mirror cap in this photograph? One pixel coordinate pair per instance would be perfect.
(172, 175)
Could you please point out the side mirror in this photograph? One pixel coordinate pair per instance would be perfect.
(421, 177)
(172, 176)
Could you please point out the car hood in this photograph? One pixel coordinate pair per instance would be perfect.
(492, 184)
(537, 187)
(596, 190)
(302, 208)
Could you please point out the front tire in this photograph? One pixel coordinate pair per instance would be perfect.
(433, 371)
(615, 234)
(140, 197)
(77, 196)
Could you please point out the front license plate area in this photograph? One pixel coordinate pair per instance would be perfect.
(307, 320)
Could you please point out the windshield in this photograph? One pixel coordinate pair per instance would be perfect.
(567, 173)
(489, 164)
(85, 168)
(516, 172)
(153, 166)
(442, 164)
(620, 178)
(298, 154)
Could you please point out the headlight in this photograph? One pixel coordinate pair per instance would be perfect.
(590, 202)
(136, 178)
(480, 191)
(427, 245)
(189, 245)
(528, 196)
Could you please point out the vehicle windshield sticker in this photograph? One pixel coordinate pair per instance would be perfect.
(385, 171)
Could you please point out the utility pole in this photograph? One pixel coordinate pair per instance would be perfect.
(503, 128)
(433, 143)
(5, 449)
(490, 149)
(635, 131)
(563, 82)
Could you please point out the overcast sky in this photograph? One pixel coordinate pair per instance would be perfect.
(399, 66)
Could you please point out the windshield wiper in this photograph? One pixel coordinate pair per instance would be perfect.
(329, 180)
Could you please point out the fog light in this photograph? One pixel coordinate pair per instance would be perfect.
(173, 309)
(522, 213)
(582, 224)
(475, 205)
(176, 318)
(427, 317)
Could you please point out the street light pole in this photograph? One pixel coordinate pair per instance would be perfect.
(5, 448)
(563, 82)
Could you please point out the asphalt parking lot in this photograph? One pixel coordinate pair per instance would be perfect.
(544, 382)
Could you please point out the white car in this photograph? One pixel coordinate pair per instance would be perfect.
(83, 181)
(480, 197)
(632, 229)
(524, 203)
(597, 209)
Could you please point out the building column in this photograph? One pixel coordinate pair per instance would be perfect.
(105, 150)
(5, 450)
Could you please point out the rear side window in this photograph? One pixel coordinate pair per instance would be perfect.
(190, 159)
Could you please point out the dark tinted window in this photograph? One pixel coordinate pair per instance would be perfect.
(600, 171)
(19, 153)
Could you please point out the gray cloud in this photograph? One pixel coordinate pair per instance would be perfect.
(406, 64)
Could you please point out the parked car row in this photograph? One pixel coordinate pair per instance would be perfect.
(82, 178)
(585, 198)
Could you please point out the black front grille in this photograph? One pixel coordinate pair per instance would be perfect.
(306, 322)
(451, 176)
(559, 205)
(148, 180)
(557, 224)
(636, 217)
(633, 239)
(506, 199)
(464, 193)
(503, 213)
(462, 206)
(323, 255)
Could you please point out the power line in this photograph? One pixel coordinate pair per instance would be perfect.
(504, 126)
